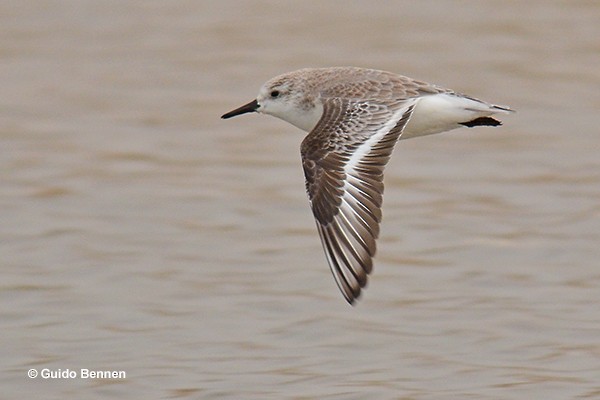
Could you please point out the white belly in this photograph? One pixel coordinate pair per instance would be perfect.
(443, 112)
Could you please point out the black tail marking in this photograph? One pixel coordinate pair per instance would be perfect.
(482, 121)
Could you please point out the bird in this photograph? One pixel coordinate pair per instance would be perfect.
(354, 117)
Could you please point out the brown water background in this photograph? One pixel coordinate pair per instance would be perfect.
(140, 232)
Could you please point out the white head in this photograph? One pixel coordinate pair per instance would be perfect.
(288, 98)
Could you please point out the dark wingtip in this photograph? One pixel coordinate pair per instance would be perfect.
(482, 121)
(504, 108)
(353, 297)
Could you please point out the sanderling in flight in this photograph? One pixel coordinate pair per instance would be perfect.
(354, 117)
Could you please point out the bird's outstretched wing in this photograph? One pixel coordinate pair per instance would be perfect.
(343, 159)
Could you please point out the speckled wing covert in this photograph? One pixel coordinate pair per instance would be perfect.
(343, 159)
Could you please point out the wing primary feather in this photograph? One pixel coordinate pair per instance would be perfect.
(336, 270)
(365, 239)
(365, 213)
(345, 267)
(350, 252)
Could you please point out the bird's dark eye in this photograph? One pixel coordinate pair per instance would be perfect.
(275, 93)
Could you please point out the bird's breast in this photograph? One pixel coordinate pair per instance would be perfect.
(305, 119)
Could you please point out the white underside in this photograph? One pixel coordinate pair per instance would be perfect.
(444, 112)
(432, 114)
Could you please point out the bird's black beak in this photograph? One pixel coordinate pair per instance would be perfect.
(246, 108)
